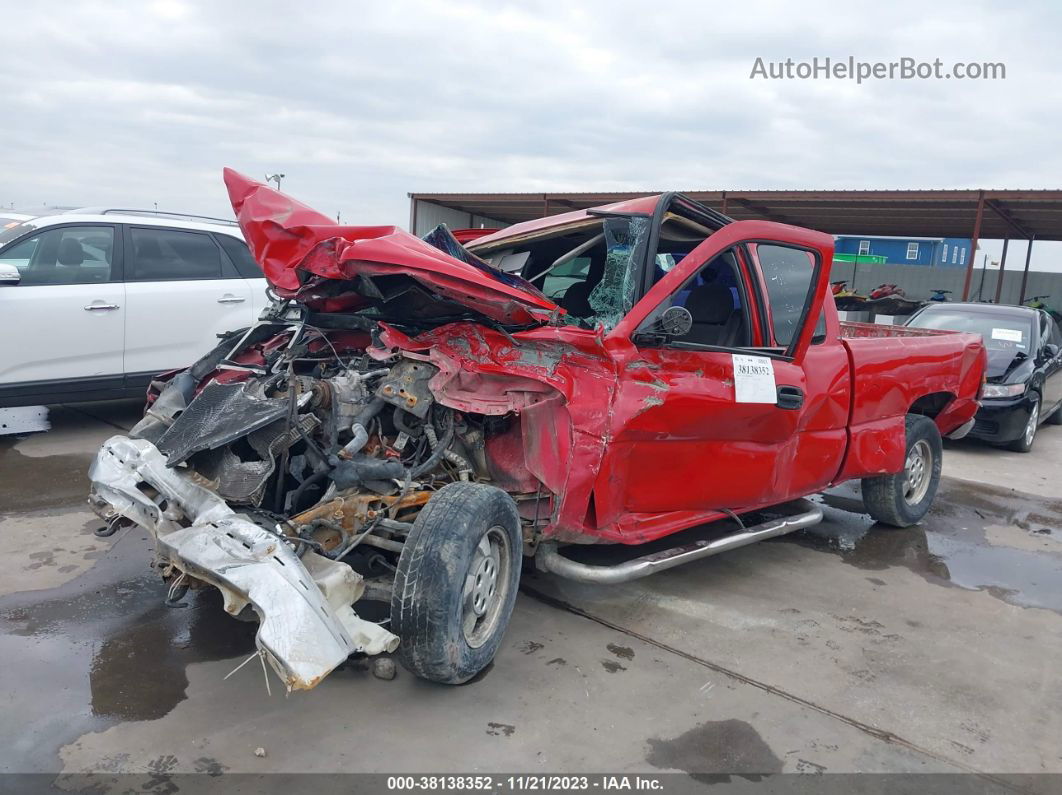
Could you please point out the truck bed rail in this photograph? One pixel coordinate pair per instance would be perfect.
(852, 330)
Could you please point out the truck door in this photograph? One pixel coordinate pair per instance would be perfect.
(749, 407)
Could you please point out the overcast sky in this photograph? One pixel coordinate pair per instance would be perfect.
(359, 103)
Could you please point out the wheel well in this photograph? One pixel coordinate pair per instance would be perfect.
(932, 404)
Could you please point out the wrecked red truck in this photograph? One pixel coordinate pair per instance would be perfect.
(412, 418)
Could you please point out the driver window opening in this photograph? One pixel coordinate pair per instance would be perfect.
(715, 300)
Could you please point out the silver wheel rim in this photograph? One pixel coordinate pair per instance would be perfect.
(918, 472)
(486, 586)
(1030, 428)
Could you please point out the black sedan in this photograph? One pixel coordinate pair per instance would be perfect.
(1024, 378)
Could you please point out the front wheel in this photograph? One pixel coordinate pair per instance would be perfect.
(456, 582)
(901, 500)
(1024, 443)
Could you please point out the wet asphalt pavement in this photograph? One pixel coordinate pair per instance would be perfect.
(848, 647)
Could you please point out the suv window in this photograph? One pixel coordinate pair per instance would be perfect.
(240, 256)
(170, 254)
(788, 274)
(66, 255)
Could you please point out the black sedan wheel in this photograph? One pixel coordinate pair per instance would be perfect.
(1024, 443)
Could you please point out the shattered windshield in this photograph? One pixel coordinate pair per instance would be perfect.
(613, 296)
(590, 270)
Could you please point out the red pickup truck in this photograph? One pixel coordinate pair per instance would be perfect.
(411, 418)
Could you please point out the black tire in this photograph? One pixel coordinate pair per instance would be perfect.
(1024, 443)
(888, 498)
(430, 609)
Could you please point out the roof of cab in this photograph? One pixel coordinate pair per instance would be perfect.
(644, 205)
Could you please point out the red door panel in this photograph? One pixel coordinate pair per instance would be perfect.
(680, 443)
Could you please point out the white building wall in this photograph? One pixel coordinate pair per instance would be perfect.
(429, 215)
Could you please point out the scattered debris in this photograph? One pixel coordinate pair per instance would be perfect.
(384, 668)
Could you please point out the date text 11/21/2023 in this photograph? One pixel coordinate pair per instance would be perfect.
(522, 783)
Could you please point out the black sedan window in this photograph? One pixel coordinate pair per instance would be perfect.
(1000, 331)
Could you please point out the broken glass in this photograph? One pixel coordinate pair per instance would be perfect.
(625, 243)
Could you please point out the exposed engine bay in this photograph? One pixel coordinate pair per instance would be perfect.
(288, 444)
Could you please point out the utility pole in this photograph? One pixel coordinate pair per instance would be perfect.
(275, 178)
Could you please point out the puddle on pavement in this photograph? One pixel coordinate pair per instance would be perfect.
(111, 650)
(949, 546)
(30, 484)
(714, 751)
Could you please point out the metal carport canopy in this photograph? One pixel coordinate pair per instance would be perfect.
(975, 214)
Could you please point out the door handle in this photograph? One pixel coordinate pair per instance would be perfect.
(231, 299)
(101, 307)
(790, 397)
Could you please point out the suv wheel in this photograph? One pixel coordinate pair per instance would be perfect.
(456, 582)
(903, 499)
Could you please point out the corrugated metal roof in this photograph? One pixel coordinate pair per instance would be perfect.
(1014, 213)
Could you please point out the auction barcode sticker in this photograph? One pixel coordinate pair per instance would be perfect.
(1007, 334)
(754, 379)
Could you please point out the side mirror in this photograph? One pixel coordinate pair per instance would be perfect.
(9, 274)
(675, 322)
(1050, 350)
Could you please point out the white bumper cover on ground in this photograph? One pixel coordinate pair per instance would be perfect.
(308, 626)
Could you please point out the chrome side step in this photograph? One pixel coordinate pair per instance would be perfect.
(548, 558)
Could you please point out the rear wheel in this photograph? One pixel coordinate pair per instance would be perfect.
(1024, 443)
(903, 499)
(456, 582)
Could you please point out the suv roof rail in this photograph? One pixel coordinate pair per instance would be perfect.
(156, 214)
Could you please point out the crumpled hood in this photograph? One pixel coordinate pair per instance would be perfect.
(286, 236)
(1003, 365)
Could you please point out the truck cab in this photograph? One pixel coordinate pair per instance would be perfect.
(761, 395)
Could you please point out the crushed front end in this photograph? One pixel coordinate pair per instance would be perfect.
(286, 469)
(288, 466)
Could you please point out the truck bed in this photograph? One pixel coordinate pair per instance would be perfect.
(898, 370)
(853, 330)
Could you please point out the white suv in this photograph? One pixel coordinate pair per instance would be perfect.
(94, 303)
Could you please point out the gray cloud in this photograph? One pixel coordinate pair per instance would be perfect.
(360, 103)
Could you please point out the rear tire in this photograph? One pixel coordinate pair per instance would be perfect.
(456, 582)
(1024, 443)
(901, 500)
